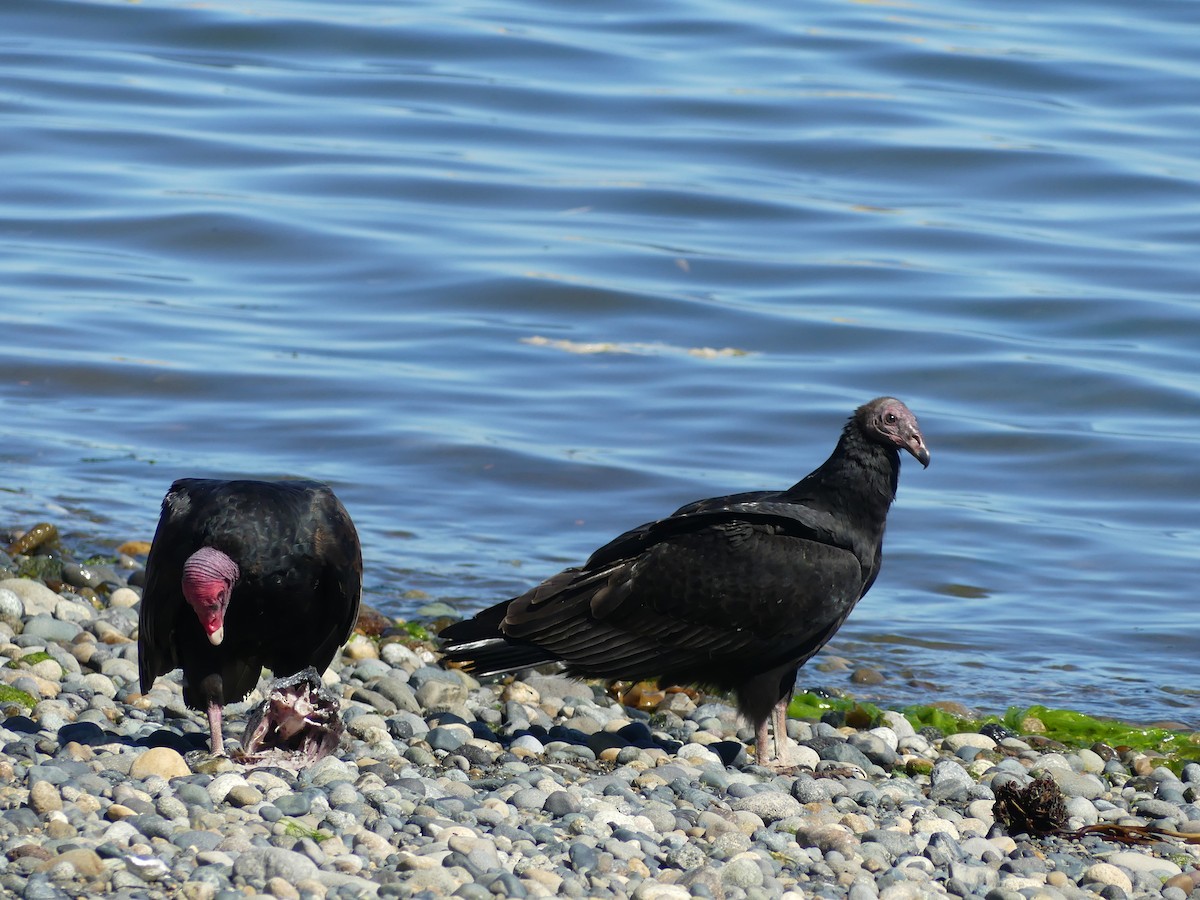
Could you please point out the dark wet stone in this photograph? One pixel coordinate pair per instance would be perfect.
(400, 728)
(729, 751)
(373, 699)
(294, 804)
(59, 771)
(638, 735)
(21, 725)
(450, 807)
(847, 753)
(1157, 809)
(109, 850)
(22, 819)
(996, 731)
(478, 757)
(481, 731)
(87, 733)
(413, 787)
(584, 859)
(942, 850)
(152, 825)
(506, 884)
(648, 844)
(193, 795)
(560, 803)
(896, 843)
(469, 891)
(77, 575)
(875, 749)
(181, 743)
(570, 735)
(447, 739)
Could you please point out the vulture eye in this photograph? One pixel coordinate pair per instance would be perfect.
(890, 418)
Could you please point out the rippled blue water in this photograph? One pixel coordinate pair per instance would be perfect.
(368, 243)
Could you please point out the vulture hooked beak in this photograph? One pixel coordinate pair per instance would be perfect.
(915, 444)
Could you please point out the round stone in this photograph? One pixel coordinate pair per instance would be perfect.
(161, 761)
(1106, 874)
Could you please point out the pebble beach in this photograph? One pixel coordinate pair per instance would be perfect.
(541, 786)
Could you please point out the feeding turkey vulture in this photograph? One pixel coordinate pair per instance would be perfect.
(242, 575)
(734, 592)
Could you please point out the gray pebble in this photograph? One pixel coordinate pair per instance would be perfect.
(47, 628)
(257, 864)
(1074, 784)
(560, 803)
(949, 781)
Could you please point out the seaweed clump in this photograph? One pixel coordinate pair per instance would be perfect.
(1037, 808)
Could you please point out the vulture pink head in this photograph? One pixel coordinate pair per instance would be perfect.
(208, 579)
(891, 422)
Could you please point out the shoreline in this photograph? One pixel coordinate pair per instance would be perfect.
(443, 786)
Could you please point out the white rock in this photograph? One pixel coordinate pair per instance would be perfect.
(887, 735)
(1049, 762)
(932, 825)
(36, 598)
(99, 684)
(900, 725)
(10, 604)
(955, 742)
(74, 611)
(699, 755)
(1144, 862)
(1107, 873)
(124, 598)
(120, 833)
(147, 868)
(219, 787)
(1020, 883)
(802, 757)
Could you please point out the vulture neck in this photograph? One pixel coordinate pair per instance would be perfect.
(858, 480)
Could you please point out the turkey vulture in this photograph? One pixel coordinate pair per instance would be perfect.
(242, 575)
(734, 592)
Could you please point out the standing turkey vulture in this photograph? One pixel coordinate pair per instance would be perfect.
(734, 592)
(242, 575)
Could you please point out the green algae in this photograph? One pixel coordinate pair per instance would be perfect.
(292, 828)
(417, 631)
(29, 659)
(10, 695)
(40, 568)
(1080, 730)
(1074, 729)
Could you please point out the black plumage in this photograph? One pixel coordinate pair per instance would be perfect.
(735, 592)
(244, 575)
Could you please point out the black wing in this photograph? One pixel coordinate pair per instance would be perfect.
(767, 509)
(730, 579)
(162, 599)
